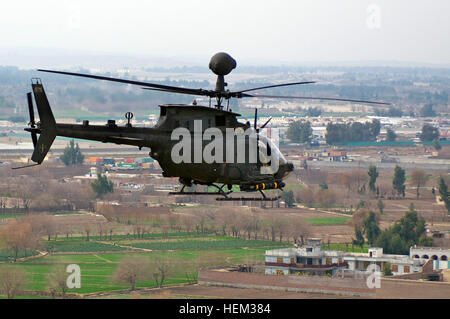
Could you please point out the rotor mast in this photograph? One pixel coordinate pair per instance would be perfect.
(221, 64)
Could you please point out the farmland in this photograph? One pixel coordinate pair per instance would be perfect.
(99, 260)
(323, 221)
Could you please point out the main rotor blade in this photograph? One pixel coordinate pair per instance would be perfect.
(313, 98)
(274, 86)
(267, 122)
(173, 89)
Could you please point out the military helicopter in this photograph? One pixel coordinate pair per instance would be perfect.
(264, 170)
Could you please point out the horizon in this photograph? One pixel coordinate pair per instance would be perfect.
(20, 57)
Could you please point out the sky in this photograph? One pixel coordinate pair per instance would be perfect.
(253, 32)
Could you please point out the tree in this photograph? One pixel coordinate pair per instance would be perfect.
(313, 111)
(387, 271)
(288, 198)
(306, 196)
(359, 240)
(444, 193)
(408, 231)
(161, 267)
(12, 281)
(18, 236)
(354, 132)
(299, 132)
(436, 144)
(57, 281)
(373, 175)
(398, 183)
(323, 185)
(380, 206)
(298, 229)
(366, 224)
(132, 269)
(371, 228)
(102, 186)
(72, 154)
(418, 179)
(326, 197)
(305, 164)
(427, 111)
(429, 133)
(390, 135)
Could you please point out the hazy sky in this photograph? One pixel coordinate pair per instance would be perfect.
(289, 31)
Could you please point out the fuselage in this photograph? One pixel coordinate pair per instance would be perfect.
(196, 123)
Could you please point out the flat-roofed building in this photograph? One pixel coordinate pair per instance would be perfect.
(308, 259)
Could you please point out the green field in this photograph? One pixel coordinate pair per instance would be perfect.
(8, 255)
(98, 267)
(328, 221)
(81, 246)
(4, 216)
(213, 243)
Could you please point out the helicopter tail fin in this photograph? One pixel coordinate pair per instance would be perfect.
(47, 122)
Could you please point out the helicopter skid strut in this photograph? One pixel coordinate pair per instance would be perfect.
(225, 197)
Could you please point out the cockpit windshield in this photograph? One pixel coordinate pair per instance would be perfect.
(269, 155)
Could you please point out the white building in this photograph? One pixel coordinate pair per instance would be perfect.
(400, 264)
(306, 259)
(312, 260)
(437, 254)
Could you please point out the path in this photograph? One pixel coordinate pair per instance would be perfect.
(123, 246)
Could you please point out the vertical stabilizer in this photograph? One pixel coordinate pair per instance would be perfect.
(47, 123)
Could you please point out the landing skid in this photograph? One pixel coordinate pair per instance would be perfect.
(225, 197)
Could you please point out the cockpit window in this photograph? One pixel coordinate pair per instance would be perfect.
(269, 150)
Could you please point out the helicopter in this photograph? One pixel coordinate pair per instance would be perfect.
(246, 157)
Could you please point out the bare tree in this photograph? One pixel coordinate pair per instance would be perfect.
(298, 229)
(18, 236)
(187, 223)
(274, 225)
(57, 281)
(256, 224)
(87, 230)
(131, 270)
(265, 228)
(12, 281)
(161, 268)
(223, 220)
(247, 225)
(107, 211)
(306, 196)
(25, 192)
(201, 218)
(48, 226)
(418, 179)
(326, 197)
